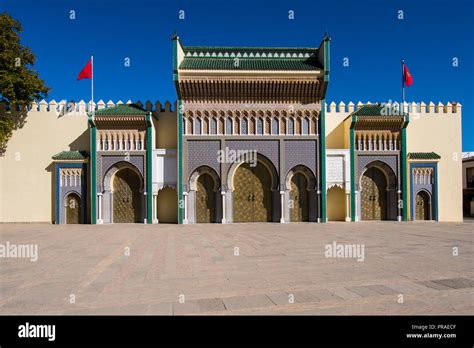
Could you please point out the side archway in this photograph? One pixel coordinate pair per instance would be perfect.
(300, 184)
(167, 206)
(336, 206)
(423, 205)
(72, 204)
(204, 186)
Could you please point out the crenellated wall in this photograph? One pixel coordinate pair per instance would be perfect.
(27, 170)
(47, 128)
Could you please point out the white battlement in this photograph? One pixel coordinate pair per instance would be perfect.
(411, 108)
(64, 107)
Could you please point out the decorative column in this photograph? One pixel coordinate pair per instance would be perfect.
(355, 207)
(185, 220)
(155, 208)
(348, 206)
(319, 203)
(146, 210)
(99, 218)
(399, 199)
(282, 199)
(223, 207)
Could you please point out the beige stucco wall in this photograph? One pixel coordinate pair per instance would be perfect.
(166, 128)
(26, 168)
(439, 131)
(334, 126)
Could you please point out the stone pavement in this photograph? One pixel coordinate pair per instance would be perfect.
(407, 268)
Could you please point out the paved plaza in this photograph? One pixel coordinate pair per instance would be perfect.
(406, 268)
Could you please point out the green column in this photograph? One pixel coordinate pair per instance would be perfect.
(352, 139)
(179, 130)
(93, 170)
(180, 164)
(149, 187)
(322, 142)
(403, 169)
(322, 134)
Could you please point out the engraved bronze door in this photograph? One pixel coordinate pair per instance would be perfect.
(422, 206)
(374, 195)
(205, 197)
(252, 194)
(73, 209)
(127, 197)
(262, 194)
(299, 198)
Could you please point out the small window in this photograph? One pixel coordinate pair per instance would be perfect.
(259, 126)
(245, 126)
(305, 128)
(470, 177)
(213, 126)
(275, 130)
(291, 126)
(228, 126)
(197, 126)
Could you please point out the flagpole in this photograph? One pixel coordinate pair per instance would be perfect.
(92, 85)
(403, 86)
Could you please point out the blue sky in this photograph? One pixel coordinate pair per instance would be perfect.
(367, 32)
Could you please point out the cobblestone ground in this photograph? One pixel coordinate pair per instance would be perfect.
(279, 269)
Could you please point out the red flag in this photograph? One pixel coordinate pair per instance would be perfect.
(407, 78)
(86, 73)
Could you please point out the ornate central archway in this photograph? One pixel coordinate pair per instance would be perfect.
(253, 186)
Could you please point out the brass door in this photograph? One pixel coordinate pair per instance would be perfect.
(299, 198)
(127, 197)
(374, 195)
(73, 209)
(252, 194)
(205, 197)
(422, 206)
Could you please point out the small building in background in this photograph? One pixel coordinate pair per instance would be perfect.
(468, 183)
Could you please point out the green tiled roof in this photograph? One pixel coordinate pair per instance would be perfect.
(250, 58)
(423, 155)
(121, 110)
(71, 156)
(376, 110)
